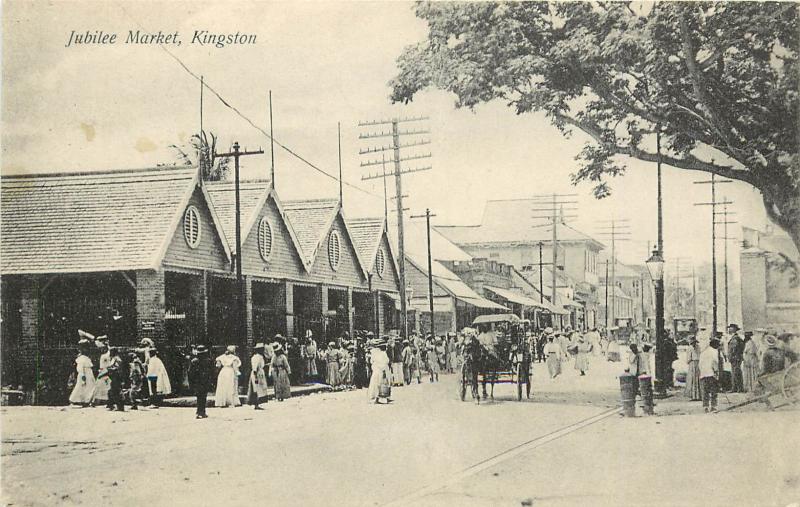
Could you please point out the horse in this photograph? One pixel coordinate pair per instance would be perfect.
(472, 360)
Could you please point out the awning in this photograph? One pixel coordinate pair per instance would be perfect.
(514, 297)
(554, 309)
(440, 304)
(497, 317)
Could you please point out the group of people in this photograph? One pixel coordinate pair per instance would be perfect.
(558, 348)
(138, 378)
(750, 355)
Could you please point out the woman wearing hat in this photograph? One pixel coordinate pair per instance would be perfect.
(693, 371)
(750, 363)
(553, 353)
(381, 372)
(83, 392)
(308, 353)
(331, 356)
(257, 387)
(157, 379)
(227, 393)
(280, 370)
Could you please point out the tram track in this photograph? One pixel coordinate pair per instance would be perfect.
(502, 456)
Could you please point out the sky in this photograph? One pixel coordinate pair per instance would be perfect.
(96, 107)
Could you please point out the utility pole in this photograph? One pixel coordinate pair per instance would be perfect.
(724, 222)
(551, 213)
(679, 276)
(271, 146)
(714, 203)
(615, 229)
(240, 299)
(428, 216)
(395, 134)
(607, 298)
(694, 294)
(341, 196)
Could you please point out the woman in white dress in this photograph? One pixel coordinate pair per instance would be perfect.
(381, 371)
(552, 351)
(83, 392)
(227, 393)
(258, 378)
(103, 384)
(157, 379)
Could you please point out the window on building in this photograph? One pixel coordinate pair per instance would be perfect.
(334, 250)
(191, 227)
(380, 263)
(264, 238)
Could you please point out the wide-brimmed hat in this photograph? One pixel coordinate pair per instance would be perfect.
(770, 340)
(258, 345)
(201, 349)
(230, 348)
(147, 342)
(278, 347)
(548, 330)
(278, 337)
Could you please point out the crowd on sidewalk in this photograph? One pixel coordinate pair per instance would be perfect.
(138, 376)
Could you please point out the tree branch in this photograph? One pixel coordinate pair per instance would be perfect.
(689, 162)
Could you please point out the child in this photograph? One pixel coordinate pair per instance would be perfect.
(114, 368)
(135, 376)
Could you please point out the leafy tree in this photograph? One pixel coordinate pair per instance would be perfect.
(719, 81)
(204, 145)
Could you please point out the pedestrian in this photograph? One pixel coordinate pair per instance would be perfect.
(553, 352)
(693, 371)
(433, 363)
(279, 370)
(227, 393)
(380, 372)
(749, 363)
(360, 364)
(331, 356)
(407, 356)
(773, 358)
(157, 379)
(201, 368)
(612, 350)
(347, 366)
(395, 353)
(440, 353)
(582, 356)
(709, 375)
(646, 355)
(115, 376)
(257, 386)
(135, 379)
(635, 362)
(103, 383)
(736, 356)
(309, 356)
(452, 353)
(83, 392)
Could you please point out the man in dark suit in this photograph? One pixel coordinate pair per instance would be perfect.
(201, 371)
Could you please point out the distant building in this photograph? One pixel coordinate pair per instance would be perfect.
(770, 284)
(635, 284)
(508, 234)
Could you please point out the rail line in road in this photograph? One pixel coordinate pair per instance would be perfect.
(503, 456)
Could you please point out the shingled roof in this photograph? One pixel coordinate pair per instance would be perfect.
(92, 221)
(252, 195)
(510, 221)
(311, 220)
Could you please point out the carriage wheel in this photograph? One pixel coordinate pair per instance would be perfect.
(790, 384)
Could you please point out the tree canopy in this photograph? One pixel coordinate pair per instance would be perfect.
(718, 80)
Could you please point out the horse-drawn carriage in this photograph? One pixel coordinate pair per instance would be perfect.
(499, 354)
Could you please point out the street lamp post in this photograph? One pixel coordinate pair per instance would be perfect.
(655, 265)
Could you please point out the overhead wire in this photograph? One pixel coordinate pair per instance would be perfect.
(245, 118)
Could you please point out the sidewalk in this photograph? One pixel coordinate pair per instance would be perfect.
(301, 390)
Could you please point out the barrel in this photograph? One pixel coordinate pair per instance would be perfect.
(627, 389)
(646, 388)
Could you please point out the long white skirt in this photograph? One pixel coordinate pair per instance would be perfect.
(83, 392)
(227, 394)
(376, 379)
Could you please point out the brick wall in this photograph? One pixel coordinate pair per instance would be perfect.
(150, 304)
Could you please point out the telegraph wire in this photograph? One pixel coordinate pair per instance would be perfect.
(245, 118)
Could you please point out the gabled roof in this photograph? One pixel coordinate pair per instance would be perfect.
(511, 221)
(94, 221)
(311, 221)
(367, 234)
(253, 196)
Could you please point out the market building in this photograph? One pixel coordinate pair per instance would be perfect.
(151, 253)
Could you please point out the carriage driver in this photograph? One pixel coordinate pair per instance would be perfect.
(488, 339)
